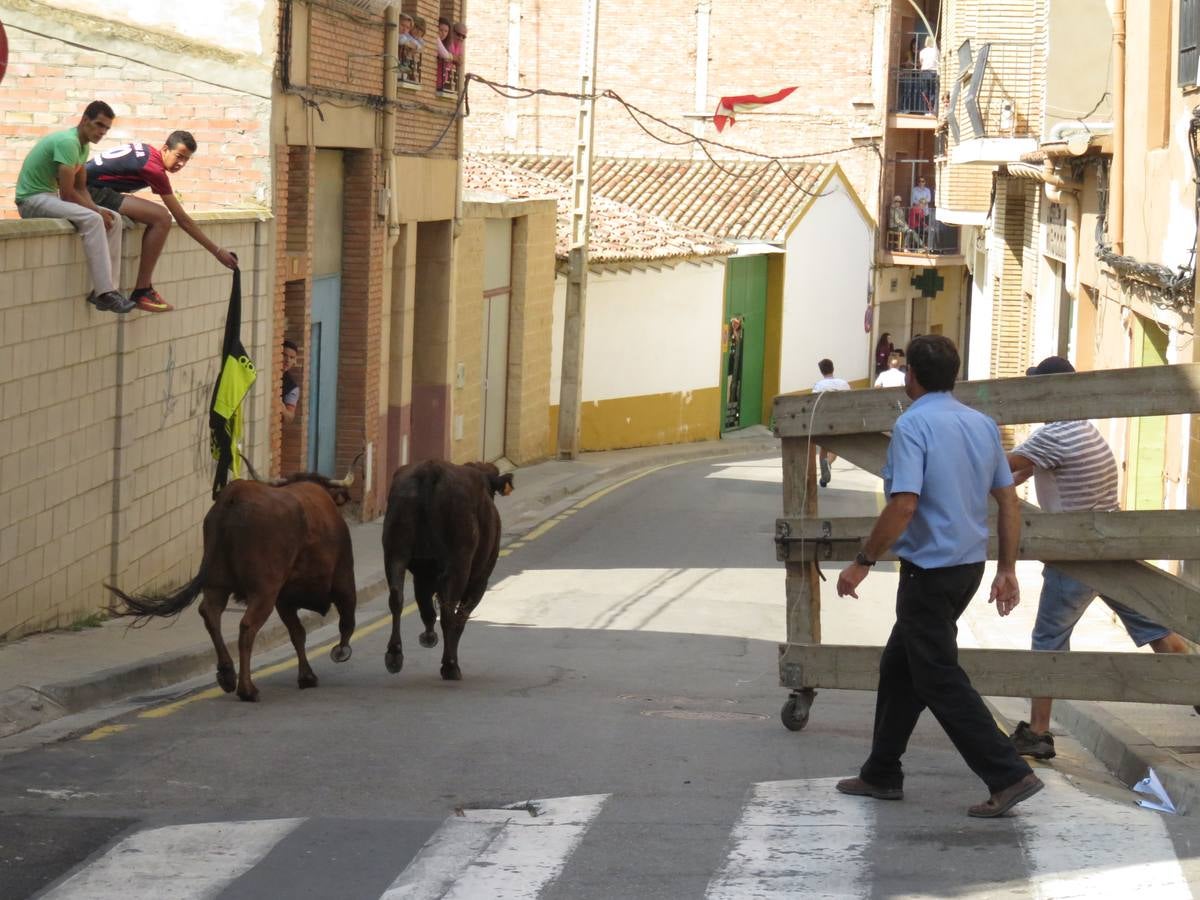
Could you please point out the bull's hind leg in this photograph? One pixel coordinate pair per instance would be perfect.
(393, 657)
(307, 677)
(258, 610)
(211, 608)
(452, 597)
(424, 584)
(345, 598)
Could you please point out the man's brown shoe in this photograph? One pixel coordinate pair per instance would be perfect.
(1002, 801)
(859, 788)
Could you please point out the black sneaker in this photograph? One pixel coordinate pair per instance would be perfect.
(1029, 743)
(111, 301)
(825, 473)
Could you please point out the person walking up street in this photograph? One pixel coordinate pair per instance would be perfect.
(115, 174)
(827, 383)
(943, 461)
(891, 376)
(1073, 469)
(52, 184)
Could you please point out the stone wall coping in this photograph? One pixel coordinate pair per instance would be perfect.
(32, 228)
(508, 208)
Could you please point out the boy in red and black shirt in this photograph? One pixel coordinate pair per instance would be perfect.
(115, 174)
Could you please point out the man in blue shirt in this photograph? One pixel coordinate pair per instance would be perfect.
(943, 461)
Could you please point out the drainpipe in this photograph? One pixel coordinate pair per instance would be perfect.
(1116, 181)
(391, 74)
(703, 16)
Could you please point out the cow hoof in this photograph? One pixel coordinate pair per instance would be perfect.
(428, 639)
(250, 696)
(393, 661)
(340, 653)
(307, 681)
(226, 679)
(451, 673)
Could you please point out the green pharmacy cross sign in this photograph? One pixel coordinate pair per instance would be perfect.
(929, 281)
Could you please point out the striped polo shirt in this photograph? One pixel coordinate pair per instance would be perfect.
(1075, 468)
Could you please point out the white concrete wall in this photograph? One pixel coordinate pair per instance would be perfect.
(825, 292)
(647, 332)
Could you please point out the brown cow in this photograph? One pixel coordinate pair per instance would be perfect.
(282, 546)
(441, 525)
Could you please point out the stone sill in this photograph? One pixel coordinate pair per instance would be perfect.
(30, 228)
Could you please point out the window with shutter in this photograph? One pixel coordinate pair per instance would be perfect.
(1189, 40)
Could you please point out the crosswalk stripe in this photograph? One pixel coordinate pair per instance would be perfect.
(178, 862)
(797, 838)
(505, 854)
(1078, 846)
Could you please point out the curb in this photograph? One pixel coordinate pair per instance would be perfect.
(24, 707)
(1127, 752)
(1124, 751)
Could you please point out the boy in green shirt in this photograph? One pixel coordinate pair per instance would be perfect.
(53, 185)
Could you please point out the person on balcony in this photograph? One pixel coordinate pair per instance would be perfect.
(921, 191)
(898, 224)
(445, 59)
(410, 48)
(918, 221)
(928, 60)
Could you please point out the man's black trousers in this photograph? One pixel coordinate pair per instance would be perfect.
(920, 669)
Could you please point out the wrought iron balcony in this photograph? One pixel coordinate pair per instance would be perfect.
(915, 92)
(916, 230)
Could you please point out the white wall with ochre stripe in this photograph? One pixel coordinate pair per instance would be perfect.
(655, 331)
(825, 292)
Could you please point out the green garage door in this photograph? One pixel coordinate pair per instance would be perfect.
(744, 329)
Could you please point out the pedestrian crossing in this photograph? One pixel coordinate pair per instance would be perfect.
(797, 838)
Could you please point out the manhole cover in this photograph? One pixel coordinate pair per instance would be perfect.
(712, 715)
(674, 701)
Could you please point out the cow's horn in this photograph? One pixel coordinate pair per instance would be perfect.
(347, 481)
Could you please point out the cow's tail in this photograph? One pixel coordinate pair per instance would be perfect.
(144, 607)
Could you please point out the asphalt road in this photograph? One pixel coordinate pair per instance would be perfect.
(616, 735)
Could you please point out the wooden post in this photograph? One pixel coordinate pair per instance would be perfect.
(803, 583)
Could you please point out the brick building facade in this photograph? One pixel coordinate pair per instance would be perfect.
(647, 52)
(156, 82)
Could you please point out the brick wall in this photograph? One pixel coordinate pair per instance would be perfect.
(100, 414)
(49, 83)
(646, 52)
(293, 291)
(346, 51)
(527, 433)
(360, 349)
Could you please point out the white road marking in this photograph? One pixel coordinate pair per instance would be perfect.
(502, 854)
(1082, 846)
(798, 837)
(179, 862)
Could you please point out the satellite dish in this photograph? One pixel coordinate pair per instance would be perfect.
(3, 51)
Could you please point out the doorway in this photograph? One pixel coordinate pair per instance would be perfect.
(497, 296)
(326, 311)
(743, 342)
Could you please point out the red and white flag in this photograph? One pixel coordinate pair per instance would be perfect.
(728, 106)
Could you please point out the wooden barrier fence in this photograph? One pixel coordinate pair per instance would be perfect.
(1105, 550)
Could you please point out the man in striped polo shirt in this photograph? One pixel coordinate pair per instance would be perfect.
(1074, 469)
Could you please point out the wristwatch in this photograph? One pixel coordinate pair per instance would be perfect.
(861, 560)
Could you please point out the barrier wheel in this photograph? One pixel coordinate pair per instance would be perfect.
(794, 714)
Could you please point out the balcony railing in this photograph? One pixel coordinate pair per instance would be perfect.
(915, 229)
(997, 94)
(915, 92)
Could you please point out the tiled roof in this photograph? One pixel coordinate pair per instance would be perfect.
(619, 232)
(736, 200)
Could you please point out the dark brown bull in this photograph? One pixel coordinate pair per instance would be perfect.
(282, 546)
(441, 525)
